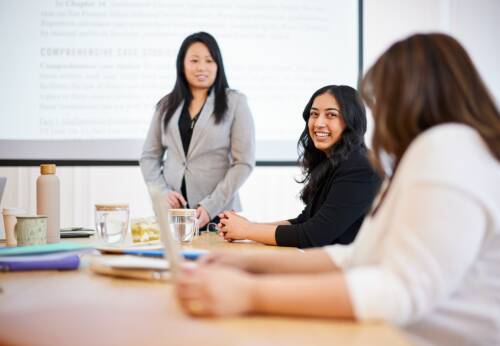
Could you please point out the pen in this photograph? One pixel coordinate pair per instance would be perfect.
(187, 254)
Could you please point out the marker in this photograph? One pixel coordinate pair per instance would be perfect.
(187, 254)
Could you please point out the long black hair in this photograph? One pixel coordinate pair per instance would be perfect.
(316, 164)
(181, 92)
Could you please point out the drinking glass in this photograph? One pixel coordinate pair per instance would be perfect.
(111, 222)
(183, 224)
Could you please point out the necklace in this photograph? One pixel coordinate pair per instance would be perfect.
(193, 121)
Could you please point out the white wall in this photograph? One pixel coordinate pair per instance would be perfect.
(475, 23)
(271, 193)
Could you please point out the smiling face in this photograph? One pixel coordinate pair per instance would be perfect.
(325, 123)
(200, 68)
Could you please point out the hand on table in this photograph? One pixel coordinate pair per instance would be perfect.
(233, 226)
(215, 291)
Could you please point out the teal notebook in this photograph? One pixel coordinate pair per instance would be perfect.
(42, 249)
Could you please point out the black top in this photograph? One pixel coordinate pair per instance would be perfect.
(336, 211)
(186, 126)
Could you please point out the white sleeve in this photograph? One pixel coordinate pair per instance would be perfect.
(339, 254)
(435, 235)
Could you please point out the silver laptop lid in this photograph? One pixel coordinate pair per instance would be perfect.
(171, 247)
(3, 182)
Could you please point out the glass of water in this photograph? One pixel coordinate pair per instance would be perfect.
(111, 222)
(183, 224)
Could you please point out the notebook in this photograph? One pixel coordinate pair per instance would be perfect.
(58, 256)
(33, 250)
(131, 267)
(52, 261)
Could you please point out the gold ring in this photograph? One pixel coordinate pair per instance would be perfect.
(195, 307)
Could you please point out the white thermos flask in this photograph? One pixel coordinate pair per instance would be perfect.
(47, 200)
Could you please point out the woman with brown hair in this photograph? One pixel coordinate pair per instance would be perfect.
(428, 256)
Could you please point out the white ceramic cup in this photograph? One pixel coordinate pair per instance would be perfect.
(9, 221)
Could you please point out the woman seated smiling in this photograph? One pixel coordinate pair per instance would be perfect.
(340, 183)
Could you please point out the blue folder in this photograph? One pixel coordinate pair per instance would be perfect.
(31, 250)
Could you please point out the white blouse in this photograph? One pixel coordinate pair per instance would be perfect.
(430, 258)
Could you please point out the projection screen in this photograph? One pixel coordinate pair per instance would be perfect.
(80, 78)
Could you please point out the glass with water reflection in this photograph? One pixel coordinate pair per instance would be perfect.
(111, 222)
(183, 224)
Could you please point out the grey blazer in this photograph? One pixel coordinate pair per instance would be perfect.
(219, 160)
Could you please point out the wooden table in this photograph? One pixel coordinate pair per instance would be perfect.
(82, 308)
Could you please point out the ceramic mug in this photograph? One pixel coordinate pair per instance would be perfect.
(31, 230)
(9, 221)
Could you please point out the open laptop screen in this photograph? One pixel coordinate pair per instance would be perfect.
(3, 182)
(171, 247)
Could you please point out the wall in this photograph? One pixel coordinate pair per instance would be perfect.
(271, 193)
(474, 23)
(83, 187)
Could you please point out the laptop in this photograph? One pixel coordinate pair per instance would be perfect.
(172, 249)
(3, 182)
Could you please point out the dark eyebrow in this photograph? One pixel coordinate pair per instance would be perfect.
(328, 109)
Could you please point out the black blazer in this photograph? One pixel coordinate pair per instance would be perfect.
(336, 211)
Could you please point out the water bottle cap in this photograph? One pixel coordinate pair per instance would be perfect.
(48, 168)
(111, 207)
(182, 212)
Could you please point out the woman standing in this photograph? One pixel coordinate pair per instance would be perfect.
(200, 147)
(339, 182)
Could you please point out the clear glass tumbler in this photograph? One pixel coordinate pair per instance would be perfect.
(111, 222)
(183, 224)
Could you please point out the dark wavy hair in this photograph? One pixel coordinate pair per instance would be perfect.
(316, 164)
(181, 92)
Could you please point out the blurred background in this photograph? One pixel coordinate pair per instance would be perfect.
(80, 80)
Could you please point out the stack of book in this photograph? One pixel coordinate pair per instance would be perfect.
(58, 256)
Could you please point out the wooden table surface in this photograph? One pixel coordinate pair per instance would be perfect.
(83, 308)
